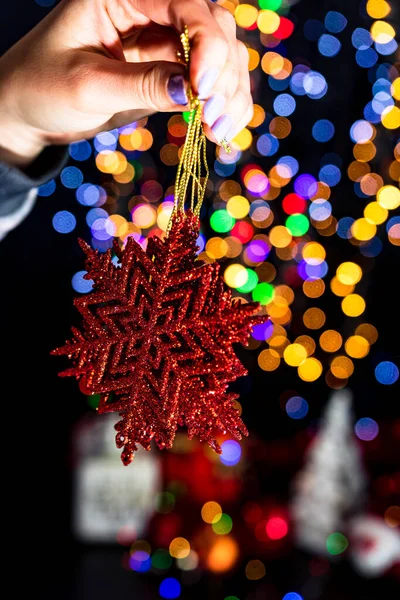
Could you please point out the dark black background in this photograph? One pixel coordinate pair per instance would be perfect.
(39, 409)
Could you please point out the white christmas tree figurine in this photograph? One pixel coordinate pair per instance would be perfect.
(330, 488)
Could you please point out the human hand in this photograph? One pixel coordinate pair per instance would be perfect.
(92, 65)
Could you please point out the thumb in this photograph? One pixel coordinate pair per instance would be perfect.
(118, 86)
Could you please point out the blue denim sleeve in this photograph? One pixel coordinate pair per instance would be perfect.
(18, 189)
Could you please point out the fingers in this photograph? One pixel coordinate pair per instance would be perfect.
(151, 44)
(226, 123)
(105, 86)
(209, 44)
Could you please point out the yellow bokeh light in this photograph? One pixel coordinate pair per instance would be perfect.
(342, 367)
(353, 305)
(340, 289)
(363, 230)
(330, 340)
(179, 547)
(280, 236)
(114, 163)
(242, 140)
(164, 215)
(349, 273)
(388, 197)
(395, 88)
(371, 183)
(246, 15)
(310, 369)
(254, 59)
(144, 216)
(307, 342)
(364, 152)
(223, 554)
(356, 346)
(216, 247)
(235, 275)
(255, 570)
(280, 127)
(268, 21)
(238, 207)
(269, 360)
(375, 213)
(258, 116)
(357, 170)
(211, 512)
(390, 117)
(284, 295)
(118, 225)
(378, 9)
(367, 331)
(272, 63)
(127, 175)
(313, 253)
(294, 354)
(392, 516)
(382, 32)
(313, 288)
(278, 343)
(314, 318)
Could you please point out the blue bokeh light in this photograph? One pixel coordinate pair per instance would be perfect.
(330, 174)
(329, 45)
(267, 144)
(231, 453)
(386, 372)
(80, 284)
(284, 105)
(71, 177)
(47, 189)
(296, 407)
(323, 130)
(335, 22)
(81, 150)
(366, 429)
(64, 221)
(170, 588)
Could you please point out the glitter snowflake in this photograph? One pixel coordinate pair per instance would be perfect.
(157, 341)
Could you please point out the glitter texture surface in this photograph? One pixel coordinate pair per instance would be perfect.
(157, 341)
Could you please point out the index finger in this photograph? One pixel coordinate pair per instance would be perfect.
(209, 44)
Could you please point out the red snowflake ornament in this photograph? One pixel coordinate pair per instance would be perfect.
(157, 340)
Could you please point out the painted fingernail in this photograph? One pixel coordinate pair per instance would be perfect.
(206, 83)
(222, 126)
(213, 109)
(177, 89)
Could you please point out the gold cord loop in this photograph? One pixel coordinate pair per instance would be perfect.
(193, 159)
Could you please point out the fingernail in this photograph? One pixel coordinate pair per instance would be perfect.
(222, 126)
(206, 83)
(177, 89)
(213, 109)
(231, 134)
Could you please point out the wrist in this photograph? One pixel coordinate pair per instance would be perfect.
(19, 145)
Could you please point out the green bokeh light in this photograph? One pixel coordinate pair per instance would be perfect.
(161, 559)
(270, 4)
(186, 115)
(93, 401)
(297, 224)
(221, 221)
(263, 293)
(252, 280)
(164, 502)
(223, 525)
(336, 543)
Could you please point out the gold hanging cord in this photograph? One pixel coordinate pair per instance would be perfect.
(193, 159)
